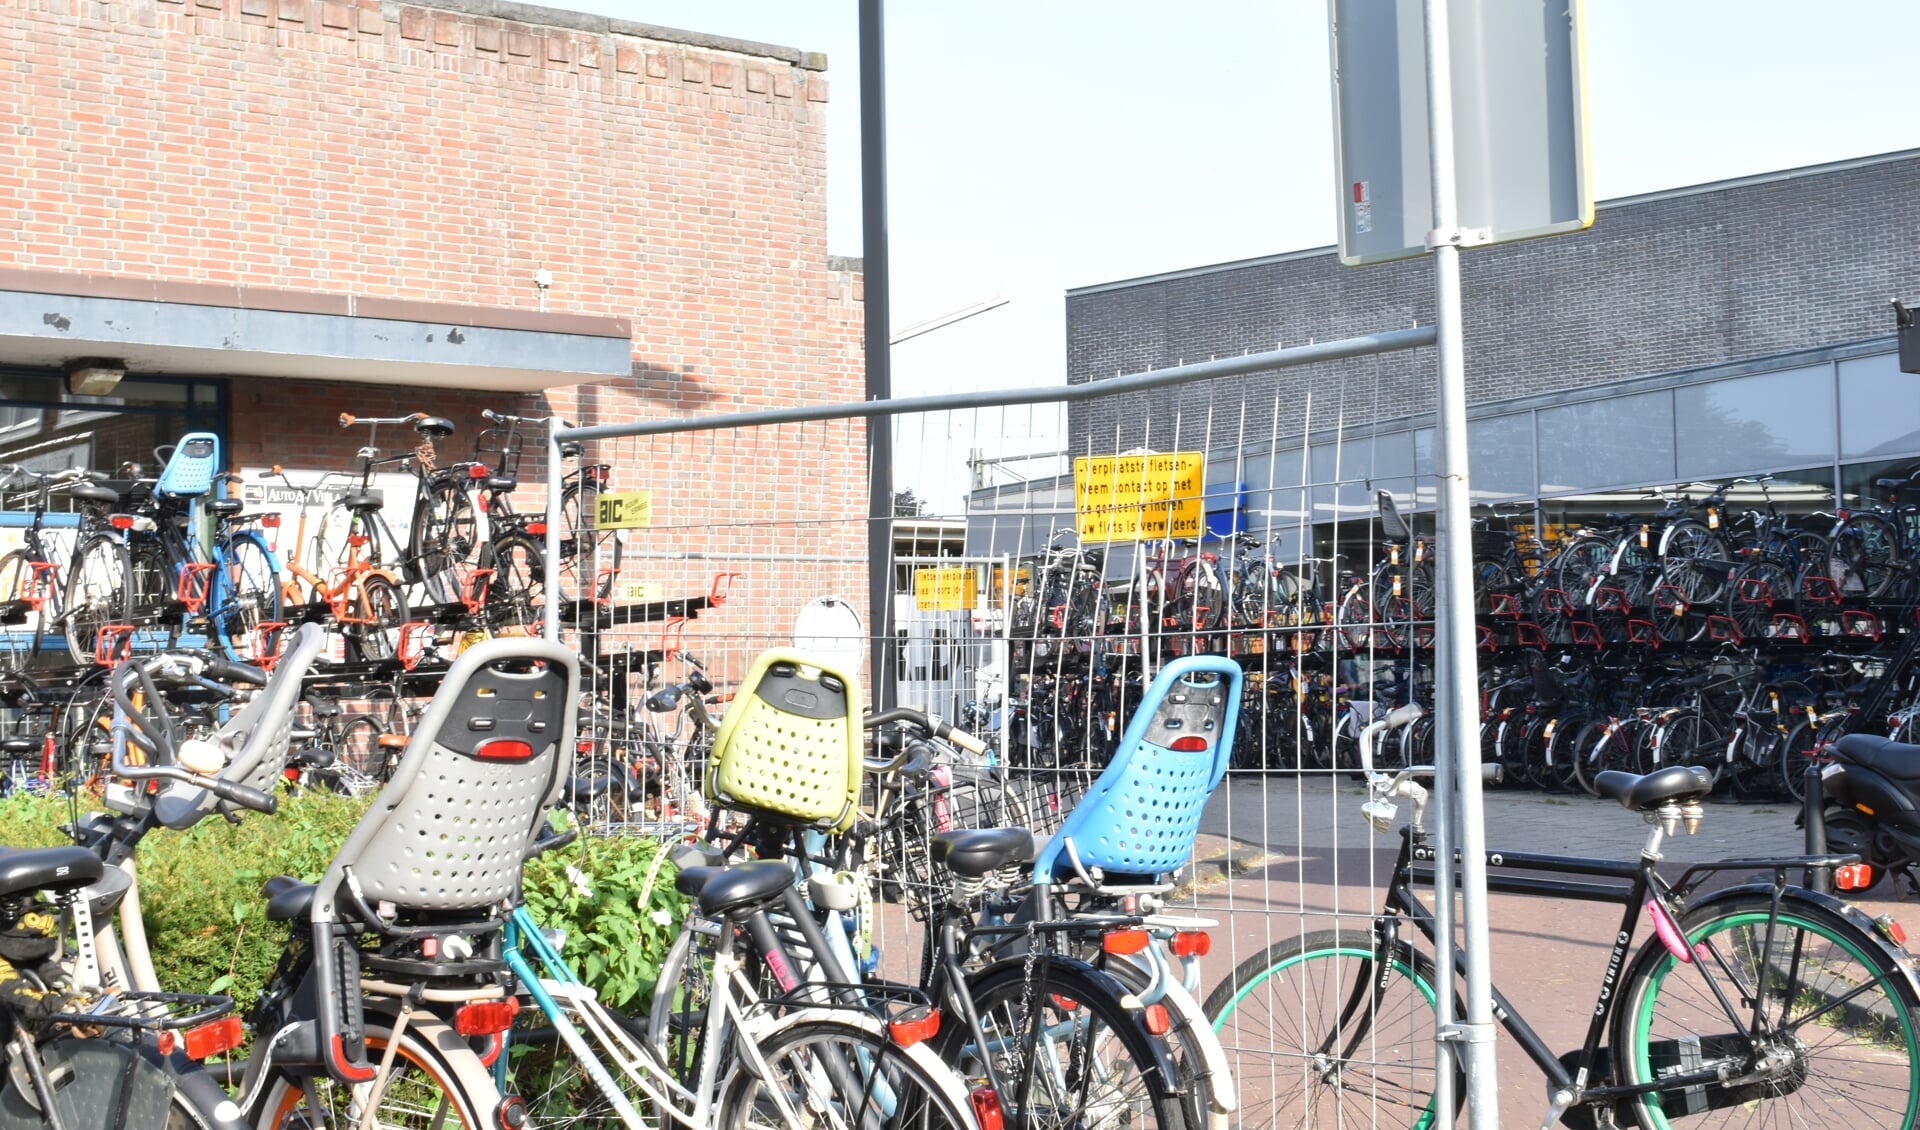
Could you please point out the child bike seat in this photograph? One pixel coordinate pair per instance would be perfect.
(789, 746)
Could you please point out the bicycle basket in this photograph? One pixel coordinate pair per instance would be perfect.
(789, 745)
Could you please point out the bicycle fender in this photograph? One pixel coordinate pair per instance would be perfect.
(1859, 919)
(1070, 969)
(1213, 1056)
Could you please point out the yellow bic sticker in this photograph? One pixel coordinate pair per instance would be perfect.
(628, 510)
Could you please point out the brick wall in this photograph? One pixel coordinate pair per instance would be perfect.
(446, 155)
(1657, 284)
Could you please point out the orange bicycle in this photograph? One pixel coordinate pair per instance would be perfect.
(364, 597)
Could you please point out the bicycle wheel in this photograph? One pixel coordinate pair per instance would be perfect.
(381, 609)
(1829, 1042)
(1086, 1062)
(844, 1071)
(430, 1088)
(1600, 746)
(1560, 752)
(446, 541)
(677, 1017)
(1796, 754)
(99, 592)
(1754, 591)
(1320, 1036)
(1685, 740)
(1186, 1019)
(19, 640)
(515, 603)
(1863, 560)
(1202, 604)
(557, 1086)
(1693, 544)
(356, 743)
(245, 595)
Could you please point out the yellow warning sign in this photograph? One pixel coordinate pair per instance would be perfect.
(628, 510)
(639, 591)
(946, 589)
(1140, 497)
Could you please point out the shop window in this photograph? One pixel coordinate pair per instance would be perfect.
(1625, 439)
(1876, 408)
(1771, 420)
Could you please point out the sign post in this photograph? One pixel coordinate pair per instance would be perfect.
(1446, 141)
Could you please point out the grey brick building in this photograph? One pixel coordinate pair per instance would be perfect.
(1615, 342)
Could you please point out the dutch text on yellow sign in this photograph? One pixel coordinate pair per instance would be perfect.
(628, 510)
(947, 589)
(1140, 497)
(641, 591)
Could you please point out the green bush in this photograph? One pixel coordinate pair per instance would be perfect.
(200, 893)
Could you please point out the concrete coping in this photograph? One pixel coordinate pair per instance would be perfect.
(606, 25)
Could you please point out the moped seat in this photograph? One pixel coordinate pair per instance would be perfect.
(1896, 760)
(739, 891)
(47, 869)
(976, 852)
(1644, 793)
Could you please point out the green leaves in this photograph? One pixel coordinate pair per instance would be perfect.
(614, 897)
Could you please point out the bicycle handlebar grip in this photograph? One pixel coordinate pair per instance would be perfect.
(549, 840)
(960, 738)
(489, 415)
(346, 419)
(242, 795)
(227, 671)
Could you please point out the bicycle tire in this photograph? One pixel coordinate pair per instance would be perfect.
(1753, 592)
(446, 543)
(676, 1017)
(1597, 748)
(915, 1088)
(428, 1084)
(245, 594)
(99, 592)
(517, 598)
(1561, 753)
(1702, 555)
(19, 642)
(1863, 561)
(357, 744)
(382, 608)
(1796, 750)
(1093, 1041)
(1857, 1031)
(1203, 605)
(1185, 1017)
(1290, 1006)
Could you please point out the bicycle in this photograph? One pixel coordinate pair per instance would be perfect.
(32, 597)
(1762, 994)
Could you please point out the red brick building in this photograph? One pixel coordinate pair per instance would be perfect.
(268, 212)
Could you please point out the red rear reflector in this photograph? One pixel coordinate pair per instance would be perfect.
(537, 529)
(1064, 1004)
(1189, 743)
(1158, 1022)
(476, 472)
(986, 1108)
(504, 749)
(1125, 941)
(1192, 943)
(214, 1037)
(914, 1025)
(1853, 877)
(121, 521)
(600, 473)
(1892, 929)
(583, 745)
(270, 521)
(484, 1018)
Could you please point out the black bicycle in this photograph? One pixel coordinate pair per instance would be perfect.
(1761, 1003)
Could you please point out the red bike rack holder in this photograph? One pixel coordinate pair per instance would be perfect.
(1503, 604)
(415, 637)
(1787, 626)
(1529, 634)
(1670, 599)
(474, 589)
(1816, 588)
(1585, 633)
(1860, 624)
(1723, 629)
(46, 578)
(112, 643)
(196, 579)
(1609, 599)
(603, 586)
(1643, 632)
(1556, 600)
(270, 643)
(721, 588)
(673, 637)
(1754, 590)
(1486, 640)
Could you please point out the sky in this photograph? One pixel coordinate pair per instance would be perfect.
(1048, 144)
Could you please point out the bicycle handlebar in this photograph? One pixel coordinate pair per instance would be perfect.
(931, 724)
(492, 417)
(348, 419)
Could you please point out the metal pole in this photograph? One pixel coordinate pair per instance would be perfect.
(550, 620)
(1458, 674)
(879, 319)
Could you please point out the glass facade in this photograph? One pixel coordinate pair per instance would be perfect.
(45, 428)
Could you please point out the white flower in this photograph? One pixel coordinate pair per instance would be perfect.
(579, 879)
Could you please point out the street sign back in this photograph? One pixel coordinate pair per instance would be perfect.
(1519, 120)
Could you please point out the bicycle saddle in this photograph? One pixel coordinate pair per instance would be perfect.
(1896, 760)
(368, 501)
(16, 748)
(435, 427)
(739, 891)
(501, 482)
(225, 507)
(975, 852)
(287, 898)
(570, 450)
(1648, 792)
(86, 492)
(1620, 519)
(47, 869)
